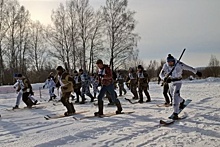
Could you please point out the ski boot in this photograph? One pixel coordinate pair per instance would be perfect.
(175, 116)
(35, 103)
(51, 98)
(140, 101)
(15, 107)
(100, 112)
(135, 98)
(119, 108)
(92, 100)
(70, 109)
(147, 101)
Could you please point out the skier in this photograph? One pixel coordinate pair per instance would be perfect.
(168, 101)
(132, 77)
(120, 80)
(106, 77)
(143, 86)
(26, 88)
(66, 84)
(19, 93)
(95, 83)
(77, 86)
(175, 80)
(85, 80)
(50, 83)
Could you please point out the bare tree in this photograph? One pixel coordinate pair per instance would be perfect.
(58, 35)
(120, 25)
(96, 41)
(16, 36)
(38, 46)
(85, 15)
(3, 30)
(214, 66)
(74, 34)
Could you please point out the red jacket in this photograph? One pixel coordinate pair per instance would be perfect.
(105, 75)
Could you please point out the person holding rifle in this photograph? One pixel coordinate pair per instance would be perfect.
(175, 68)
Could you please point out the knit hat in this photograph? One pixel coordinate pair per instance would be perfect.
(19, 75)
(170, 58)
(60, 68)
(140, 67)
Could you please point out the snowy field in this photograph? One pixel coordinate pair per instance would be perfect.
(28, 128)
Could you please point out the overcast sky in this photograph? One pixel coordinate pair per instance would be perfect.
(165, 26)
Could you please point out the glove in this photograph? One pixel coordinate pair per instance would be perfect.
(32, 93)
(199, 74)
(168, 80)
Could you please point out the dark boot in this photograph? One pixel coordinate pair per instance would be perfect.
(119, 108)
(182, 104)
(100, 106)
(175, 116)
(92, 99)
(83, 99)
(15, 107)
(35, 103)
(148, 96)
(51, 98)
(141, 101)
(70, 109)
(94, 95)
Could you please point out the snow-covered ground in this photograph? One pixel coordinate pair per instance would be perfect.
(28, 128)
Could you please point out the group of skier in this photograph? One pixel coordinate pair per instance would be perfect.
(80, 83)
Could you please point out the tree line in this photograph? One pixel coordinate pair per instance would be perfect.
(78, 36)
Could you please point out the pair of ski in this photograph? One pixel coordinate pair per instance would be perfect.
(49, 117)
(27, 108)
(136, 102)
(133, 102)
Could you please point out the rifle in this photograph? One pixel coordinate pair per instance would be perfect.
(66, 67)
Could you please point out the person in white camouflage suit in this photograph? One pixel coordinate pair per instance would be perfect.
(95, 84)
(85, 80)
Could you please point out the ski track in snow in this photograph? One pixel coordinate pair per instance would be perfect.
(28, 128)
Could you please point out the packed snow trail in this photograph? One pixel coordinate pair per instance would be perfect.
(201, 128)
